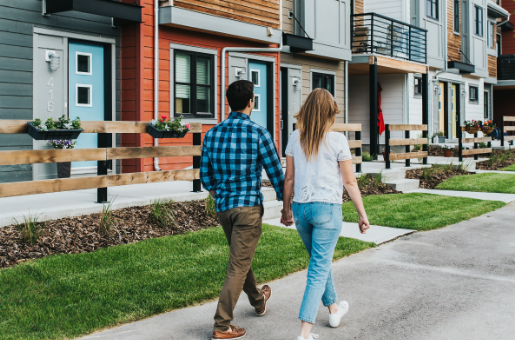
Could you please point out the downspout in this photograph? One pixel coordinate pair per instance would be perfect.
(503, 22)
(156, 75)
(247, 49)
(346, 94)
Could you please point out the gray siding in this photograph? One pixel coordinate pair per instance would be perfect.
(17, 21)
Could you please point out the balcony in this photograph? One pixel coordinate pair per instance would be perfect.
(377, 34)
(506, 67)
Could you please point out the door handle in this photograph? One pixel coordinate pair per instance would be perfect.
(281, 124)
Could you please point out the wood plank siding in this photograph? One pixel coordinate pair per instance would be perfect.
(358, 7)
(508, 38)
(258, 12)
(492, 66)
(17, 21)
(453, 39)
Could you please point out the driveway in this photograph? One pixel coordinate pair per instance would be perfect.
(453, 283)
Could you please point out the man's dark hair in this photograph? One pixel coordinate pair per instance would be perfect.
(239, 93)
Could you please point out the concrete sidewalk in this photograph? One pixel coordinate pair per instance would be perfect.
(453, 283)
(487, 196)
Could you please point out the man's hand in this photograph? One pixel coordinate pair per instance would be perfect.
(287, 217)
(212, 193)
(363, 224)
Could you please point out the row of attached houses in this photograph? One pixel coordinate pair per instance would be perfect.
(430, 61)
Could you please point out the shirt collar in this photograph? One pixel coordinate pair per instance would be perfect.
(238, 115)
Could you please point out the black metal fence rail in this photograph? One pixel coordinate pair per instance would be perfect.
(375, 33)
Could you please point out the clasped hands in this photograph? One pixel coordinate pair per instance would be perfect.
(287, 217)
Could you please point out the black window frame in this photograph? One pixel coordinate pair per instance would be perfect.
(478, 21)
(432, 8)
(193, 85)
(486, 105)
(325, 77)
(417, 89)
(476, 99)
(456, 16)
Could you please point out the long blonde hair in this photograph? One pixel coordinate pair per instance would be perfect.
(314, 120)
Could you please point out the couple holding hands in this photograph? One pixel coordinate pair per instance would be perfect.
(318, 166)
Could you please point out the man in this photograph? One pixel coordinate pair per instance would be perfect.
(233, 156)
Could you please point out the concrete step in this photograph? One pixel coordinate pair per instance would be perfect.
(404, 184)
(389, 175)
(269, 194)
(272, 210)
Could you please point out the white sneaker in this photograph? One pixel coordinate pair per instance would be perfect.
(312, 336)
(336, 318)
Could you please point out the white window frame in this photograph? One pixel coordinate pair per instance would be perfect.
(90, 95)
(491, 40)
(476, 19)
(257, 101)
(259, 77)
(90, 55)
(474, 101)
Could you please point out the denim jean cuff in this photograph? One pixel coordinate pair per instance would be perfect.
(336, 301)
(306, 320)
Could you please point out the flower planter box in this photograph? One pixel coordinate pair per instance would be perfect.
(472, 130)
(447, 153)
(165, 134)
(384, 155)
(53, 134)
(488, 130)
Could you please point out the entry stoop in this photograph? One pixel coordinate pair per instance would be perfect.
(404, 184)
(272, 205)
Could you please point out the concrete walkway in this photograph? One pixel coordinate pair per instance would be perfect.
(376, 234)
(487, 196)
(453, 283)
(495, 172)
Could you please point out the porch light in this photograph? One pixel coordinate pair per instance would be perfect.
(295, 81)
(240, 72)
(54, 59)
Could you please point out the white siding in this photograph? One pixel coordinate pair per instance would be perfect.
(394, 9)
(414, 105)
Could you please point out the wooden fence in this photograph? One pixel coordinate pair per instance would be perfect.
(353, 144)
(103, 155)
(407, 141)
(476, 151)
(508, 129)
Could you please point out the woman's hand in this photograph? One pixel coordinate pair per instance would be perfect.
(363, 224)
(287, 217)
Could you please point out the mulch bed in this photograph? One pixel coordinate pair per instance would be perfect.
(438, 151)
(496, 164)
(81, 235)
(371, 189)
(437, 177)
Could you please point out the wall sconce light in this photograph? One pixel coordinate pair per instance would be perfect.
(240, 73)
(54, 59)
(295, 81)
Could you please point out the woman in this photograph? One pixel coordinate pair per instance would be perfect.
(324, 166)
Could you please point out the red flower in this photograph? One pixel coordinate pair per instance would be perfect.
(163, 117)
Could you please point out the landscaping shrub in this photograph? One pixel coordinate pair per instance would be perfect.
(161, 214)
(367, 157)
(30, 230)
(107, 220)
(210, 207)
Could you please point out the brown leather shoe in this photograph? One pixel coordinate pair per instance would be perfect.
(234, 333)
(268, 293)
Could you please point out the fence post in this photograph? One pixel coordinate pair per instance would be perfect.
(407, 148)
(476, 146)
(502, 131)
(357, 135)
(460, 144)
(387, 145)
(197, 140)
(104, 141)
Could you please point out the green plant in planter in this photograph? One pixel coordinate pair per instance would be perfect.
(167, 124)
(62, 123)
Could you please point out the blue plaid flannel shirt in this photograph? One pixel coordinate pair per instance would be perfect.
(234, 153)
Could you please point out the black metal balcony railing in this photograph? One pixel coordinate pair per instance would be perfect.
(373, 33)
(506, 67)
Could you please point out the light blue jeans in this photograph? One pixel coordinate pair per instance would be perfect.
(319, 225)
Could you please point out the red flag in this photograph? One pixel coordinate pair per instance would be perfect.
(380, 119)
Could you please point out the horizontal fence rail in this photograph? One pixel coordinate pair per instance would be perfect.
(476, 151)
(508, 129)
(407, 142)
(353, 144)
(373, 33)
(102, 156)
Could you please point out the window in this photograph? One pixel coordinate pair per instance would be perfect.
(432, 9)
(491, 34)
(324, 81)
(487, 105)
(418, 86)
(83, 62)
(478, 21)
(473, 90)
(256, 103)
(254, 77)
(194, 90)
(457, 16)
(84, 95)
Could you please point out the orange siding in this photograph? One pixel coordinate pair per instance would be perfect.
(137, 89)
(258, 12)
(453, 39)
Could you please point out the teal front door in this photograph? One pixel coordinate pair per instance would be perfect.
(86, 91)
(258, 76)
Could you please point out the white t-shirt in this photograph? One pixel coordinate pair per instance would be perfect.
(319, 180)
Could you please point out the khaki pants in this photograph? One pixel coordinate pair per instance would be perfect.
(242, 227)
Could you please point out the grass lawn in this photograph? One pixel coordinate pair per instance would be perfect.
(64, 296)
(419, 211)
(510, 168)
(486, 182)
